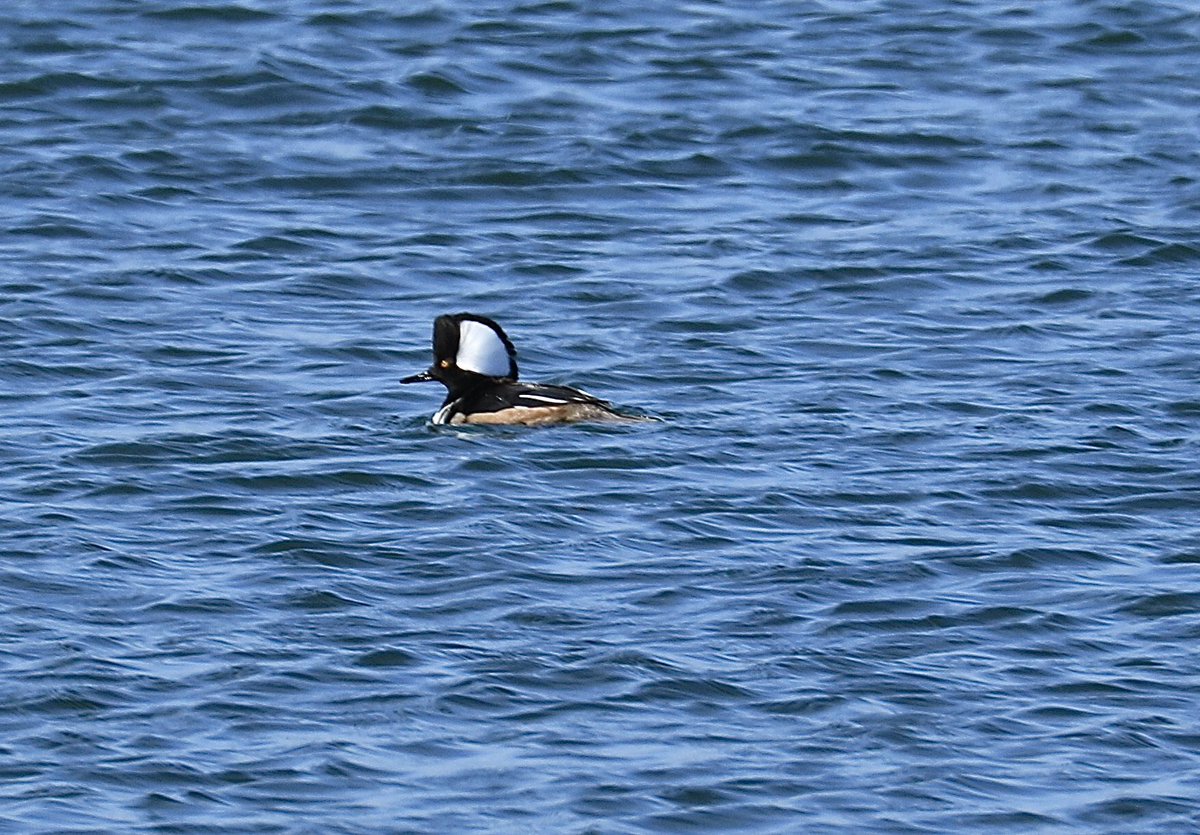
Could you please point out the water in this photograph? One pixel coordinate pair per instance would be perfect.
(914, 547)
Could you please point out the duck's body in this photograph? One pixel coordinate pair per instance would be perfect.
(530, 404)
(477, 363)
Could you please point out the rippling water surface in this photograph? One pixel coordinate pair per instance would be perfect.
(912, 286)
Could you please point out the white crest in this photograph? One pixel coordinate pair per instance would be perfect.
(481, 350)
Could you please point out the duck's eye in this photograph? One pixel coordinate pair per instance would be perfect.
(444, 363)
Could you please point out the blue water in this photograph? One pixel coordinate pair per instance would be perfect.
(913, 287)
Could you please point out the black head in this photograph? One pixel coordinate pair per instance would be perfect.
(468, 350)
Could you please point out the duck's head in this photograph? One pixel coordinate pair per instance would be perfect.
(468, 350)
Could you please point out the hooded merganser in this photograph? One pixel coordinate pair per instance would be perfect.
(477, 363)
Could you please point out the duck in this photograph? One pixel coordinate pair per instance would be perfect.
(477, 363)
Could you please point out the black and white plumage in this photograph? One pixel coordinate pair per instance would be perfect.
(477, 363)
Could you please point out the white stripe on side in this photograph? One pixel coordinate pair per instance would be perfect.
(556, 400)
